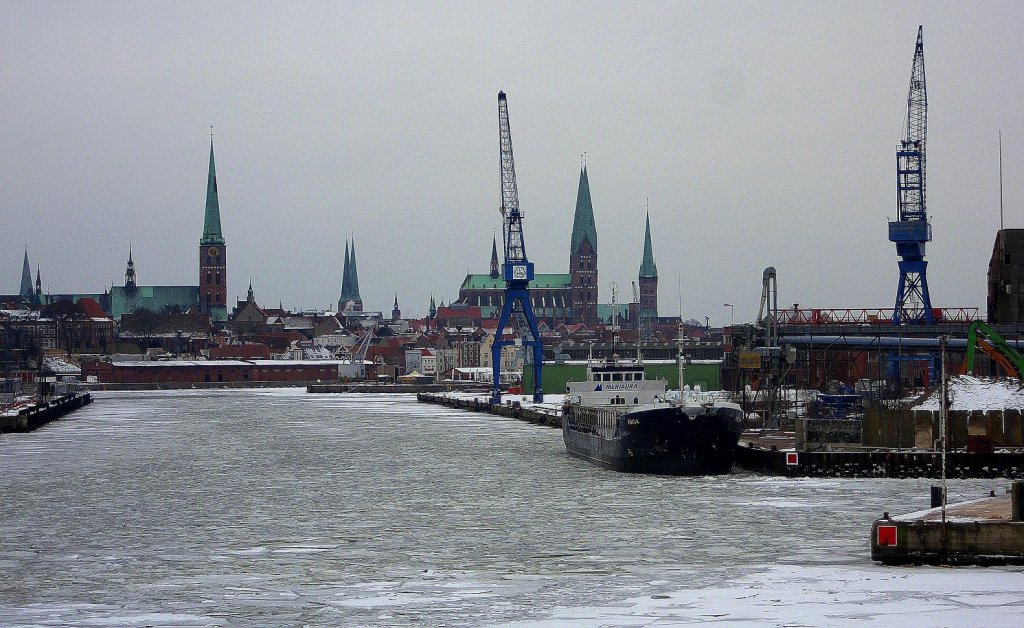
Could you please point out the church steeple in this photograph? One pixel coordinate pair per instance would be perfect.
(26, 277)
(350, 300)
(647, 267)
(345, 275)
(396, 313)
(250, 297)
(583, 227)
(211, 222)
(354, 280)
(39, 283)
(583, 256)
(494, 257)
(648, 281)
(213, 262)
(129, 271)
(432, 312)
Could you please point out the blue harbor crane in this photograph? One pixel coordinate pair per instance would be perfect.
(912, 230)
(517, 270)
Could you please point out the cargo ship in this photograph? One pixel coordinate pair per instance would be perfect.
(620, 420)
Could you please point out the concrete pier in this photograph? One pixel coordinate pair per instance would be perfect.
(980, 532)
(38, 415)
(513, 410)
(364, 387)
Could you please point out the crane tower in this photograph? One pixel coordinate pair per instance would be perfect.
(912, 230)
(517, 270)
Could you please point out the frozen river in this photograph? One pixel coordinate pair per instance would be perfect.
(278, 507)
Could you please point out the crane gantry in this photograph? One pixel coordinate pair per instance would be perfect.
(517, 270)
(912, 230)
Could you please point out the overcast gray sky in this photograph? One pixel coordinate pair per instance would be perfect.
(761, 133)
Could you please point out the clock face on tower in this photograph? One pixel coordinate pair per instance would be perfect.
(213, 252)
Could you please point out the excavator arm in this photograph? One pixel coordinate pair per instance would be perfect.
(980, 335)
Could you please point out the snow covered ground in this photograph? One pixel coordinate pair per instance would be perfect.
(790, 595)
(967, 392)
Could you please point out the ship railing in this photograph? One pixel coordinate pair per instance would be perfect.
(595, 420)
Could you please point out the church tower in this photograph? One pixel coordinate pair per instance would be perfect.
(38, 298)
(350, 301)
(26, 279)
(213, 276)
(583, 256)
(648, 279)
(129, 273)
(494, 257)
(396, 314)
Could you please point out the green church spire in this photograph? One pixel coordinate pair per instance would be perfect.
(354, 279)
(211, 224)
(26, 277)
(350, 299)
(494, 257)
(583, 227)
(647, 267)
(345, 281)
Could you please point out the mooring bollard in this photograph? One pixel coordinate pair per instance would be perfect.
(1017, 499)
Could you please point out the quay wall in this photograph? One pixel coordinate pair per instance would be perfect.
(985, 531)
(880, 464)
(513, 410)
(34, 417)
(362, 387)
(955, 543)
(115, 386)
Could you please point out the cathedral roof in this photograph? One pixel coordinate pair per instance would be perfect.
(540, 281)
(583, 227)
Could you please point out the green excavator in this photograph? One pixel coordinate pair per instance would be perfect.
(980, 335)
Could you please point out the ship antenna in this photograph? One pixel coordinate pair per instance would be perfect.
(615, 322)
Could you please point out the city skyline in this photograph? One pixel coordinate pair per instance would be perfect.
(761, 135)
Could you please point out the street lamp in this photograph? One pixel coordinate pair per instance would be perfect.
(732, 312)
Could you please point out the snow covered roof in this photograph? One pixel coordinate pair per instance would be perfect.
(60, 366)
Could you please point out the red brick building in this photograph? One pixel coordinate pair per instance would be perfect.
(218, 371)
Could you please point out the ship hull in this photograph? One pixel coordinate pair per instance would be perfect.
(667, 440)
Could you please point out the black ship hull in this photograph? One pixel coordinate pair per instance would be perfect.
(664, 440)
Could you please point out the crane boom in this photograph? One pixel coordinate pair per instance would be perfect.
(912, 162)
(515, 247)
